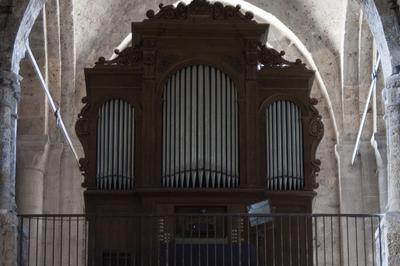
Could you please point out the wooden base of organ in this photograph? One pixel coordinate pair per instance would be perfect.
(158, 221)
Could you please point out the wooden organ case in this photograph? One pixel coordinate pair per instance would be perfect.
(197, 115)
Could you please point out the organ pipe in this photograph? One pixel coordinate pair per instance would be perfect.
(115, 146)
(284, 146)
(200, 130)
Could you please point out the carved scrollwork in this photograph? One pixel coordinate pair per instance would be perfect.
(85, 100)
(81, 125)
(129, 56)
(229, 12)
(271, 58)
(83, 132)
(315, 168)
(316, 131)
(199, 9)
(169, 12)
(316, 128)
(84, 168)
(313, 101)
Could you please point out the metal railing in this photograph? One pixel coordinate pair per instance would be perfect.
(200, 239)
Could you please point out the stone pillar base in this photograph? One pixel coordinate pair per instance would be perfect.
(8, 238)
(391, 239)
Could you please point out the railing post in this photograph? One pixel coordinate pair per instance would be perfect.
(20, 238)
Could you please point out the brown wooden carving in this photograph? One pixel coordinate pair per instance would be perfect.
(129, 56)
(316, 131)
(199, 9)
(271, 58)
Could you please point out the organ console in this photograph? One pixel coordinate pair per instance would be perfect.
(198, 114)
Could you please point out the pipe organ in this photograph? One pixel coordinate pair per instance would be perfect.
(200, 130)
(198, 115)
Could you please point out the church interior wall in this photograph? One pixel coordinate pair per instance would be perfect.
(76, 42)
(70, 35)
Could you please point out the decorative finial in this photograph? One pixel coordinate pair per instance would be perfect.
(150, 13)
(249, 15)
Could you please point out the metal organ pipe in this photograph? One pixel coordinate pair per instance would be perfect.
(115, 146)
(200, 130)
(284, 146)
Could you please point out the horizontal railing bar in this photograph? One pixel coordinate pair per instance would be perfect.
(206, 215)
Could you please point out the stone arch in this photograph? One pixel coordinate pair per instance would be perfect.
(385, 28)
(18, 25)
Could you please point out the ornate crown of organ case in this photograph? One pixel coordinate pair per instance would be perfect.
(198, 114)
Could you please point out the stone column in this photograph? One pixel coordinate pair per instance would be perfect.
(9, 94)
(32, 159)
(391, 222)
